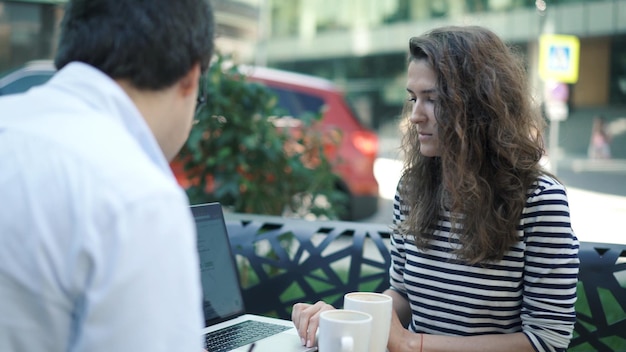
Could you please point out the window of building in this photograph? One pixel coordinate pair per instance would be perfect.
(618, 71)
(27, 32)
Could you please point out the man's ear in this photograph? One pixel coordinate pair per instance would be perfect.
(188, 84)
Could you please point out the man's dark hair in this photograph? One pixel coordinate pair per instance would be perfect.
(151, 43)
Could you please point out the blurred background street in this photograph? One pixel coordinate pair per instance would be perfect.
(360, 46)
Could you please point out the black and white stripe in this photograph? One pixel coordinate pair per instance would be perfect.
(532, 289)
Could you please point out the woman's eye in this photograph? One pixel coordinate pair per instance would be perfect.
(411, 99)
(431, 99)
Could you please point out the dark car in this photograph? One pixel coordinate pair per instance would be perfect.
(32, 74)
(297, 94)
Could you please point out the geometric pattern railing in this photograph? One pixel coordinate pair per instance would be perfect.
(284, 261)
(601, 303)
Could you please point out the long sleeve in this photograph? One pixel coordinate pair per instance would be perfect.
(550, 269)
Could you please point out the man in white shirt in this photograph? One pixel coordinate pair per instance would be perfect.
(97, 244)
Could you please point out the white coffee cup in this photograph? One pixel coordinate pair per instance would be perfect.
(377, 305)
(343, 330)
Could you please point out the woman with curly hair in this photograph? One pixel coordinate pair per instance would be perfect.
(483, 254)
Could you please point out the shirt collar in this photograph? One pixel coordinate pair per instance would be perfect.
(103, 94)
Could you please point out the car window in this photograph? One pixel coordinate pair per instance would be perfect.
(296, 104)
(309, 103)
(286, 103)
(23, 84)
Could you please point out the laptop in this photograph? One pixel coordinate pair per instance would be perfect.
(224, 310)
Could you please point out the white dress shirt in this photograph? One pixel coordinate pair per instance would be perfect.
(97, 243)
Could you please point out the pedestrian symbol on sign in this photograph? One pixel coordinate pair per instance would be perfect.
(558, 58)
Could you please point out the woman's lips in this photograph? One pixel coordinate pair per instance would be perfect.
(424, 136)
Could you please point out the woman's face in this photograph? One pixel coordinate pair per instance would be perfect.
(421, 86)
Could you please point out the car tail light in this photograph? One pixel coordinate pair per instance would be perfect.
(366, 142)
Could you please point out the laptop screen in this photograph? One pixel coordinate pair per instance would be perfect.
(220, 281)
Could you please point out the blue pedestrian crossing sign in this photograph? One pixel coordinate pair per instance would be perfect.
(558, 58)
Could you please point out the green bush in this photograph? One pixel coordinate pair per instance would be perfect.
(237, 156)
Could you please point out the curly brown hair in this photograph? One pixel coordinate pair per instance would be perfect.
(490, 133)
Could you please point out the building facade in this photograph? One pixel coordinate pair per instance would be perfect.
(29, 29)
(364, 42)
(361, 45)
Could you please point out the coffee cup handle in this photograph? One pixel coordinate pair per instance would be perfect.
(347, 344)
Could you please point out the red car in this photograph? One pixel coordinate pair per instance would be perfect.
(354, 158)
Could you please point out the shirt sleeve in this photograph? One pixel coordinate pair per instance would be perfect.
(142, 287)
(398, 254)
(551, 269)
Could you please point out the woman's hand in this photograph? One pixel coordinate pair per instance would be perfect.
(306, 318)
(400, 339)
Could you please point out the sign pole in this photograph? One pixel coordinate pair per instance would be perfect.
(558, 65)
(554, 146)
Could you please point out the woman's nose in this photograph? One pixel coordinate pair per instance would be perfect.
(417, 112)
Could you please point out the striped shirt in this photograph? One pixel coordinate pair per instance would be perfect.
(532, 289)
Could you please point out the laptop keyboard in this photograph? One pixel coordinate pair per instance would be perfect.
(240, 335)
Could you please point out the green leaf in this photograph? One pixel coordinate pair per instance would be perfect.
(236, 142)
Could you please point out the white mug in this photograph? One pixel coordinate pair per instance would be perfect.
(377, 305)
(343, 330)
